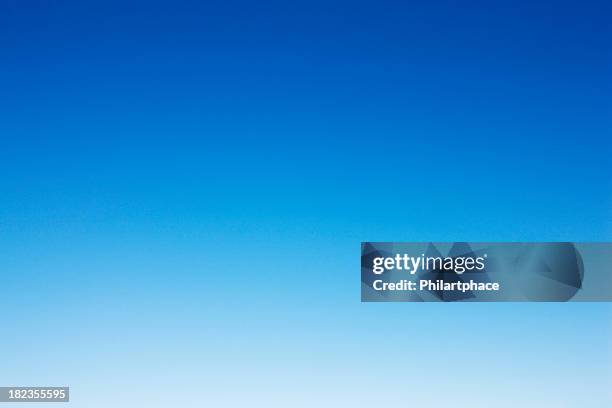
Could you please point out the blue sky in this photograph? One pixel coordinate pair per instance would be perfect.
(185, 188)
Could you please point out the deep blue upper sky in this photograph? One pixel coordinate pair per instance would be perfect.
(362, 121)
(303, 105)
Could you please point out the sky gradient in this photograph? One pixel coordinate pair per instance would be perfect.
(184, 189)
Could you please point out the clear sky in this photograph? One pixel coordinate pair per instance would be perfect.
(184, 187)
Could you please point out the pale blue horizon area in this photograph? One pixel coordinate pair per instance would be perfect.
(185, 187)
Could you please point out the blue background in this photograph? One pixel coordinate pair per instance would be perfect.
(185, 186)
